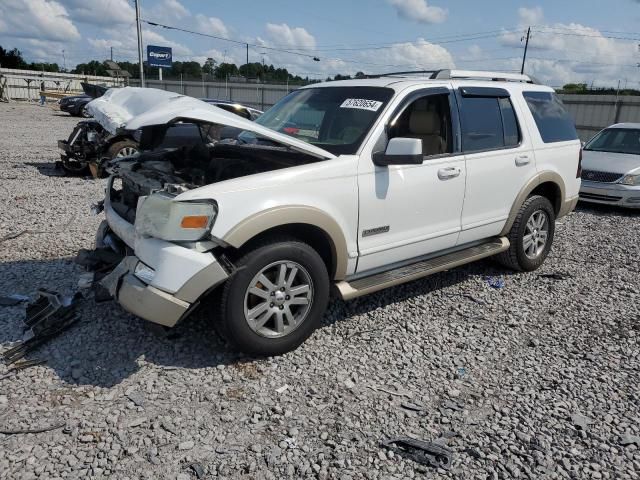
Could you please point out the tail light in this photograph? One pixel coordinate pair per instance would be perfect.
(579, 172)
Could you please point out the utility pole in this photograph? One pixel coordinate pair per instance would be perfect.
(112, 54)
(526, 47)
(64, 61)
(139, 43)
(247, 67)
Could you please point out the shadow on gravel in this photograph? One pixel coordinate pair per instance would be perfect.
(434, 283)
(600, 210)
(47, 168)
(107, 345)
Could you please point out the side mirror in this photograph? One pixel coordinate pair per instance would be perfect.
(400, 151)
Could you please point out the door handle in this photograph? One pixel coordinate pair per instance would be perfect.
(523, 160)
(449, 172)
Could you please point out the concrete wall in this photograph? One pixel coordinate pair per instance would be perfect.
(257, 95)
(25, 84)
(592, 113)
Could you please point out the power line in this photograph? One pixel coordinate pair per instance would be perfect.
(169, 27)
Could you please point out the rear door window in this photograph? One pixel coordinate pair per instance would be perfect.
(553, 121)
(488, 123)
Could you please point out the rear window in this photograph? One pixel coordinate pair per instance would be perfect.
(553, 121)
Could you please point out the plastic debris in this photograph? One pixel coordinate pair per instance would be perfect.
(47, 316)
(414, 406)
(197, 469)
(495, 282)
(426, 453)
(11, 300)
(282, 389)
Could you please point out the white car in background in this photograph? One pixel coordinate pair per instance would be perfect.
(611, 167)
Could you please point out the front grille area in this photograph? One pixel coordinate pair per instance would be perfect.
(602, 177)
(602, 198)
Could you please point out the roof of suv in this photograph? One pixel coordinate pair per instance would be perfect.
(403, 80)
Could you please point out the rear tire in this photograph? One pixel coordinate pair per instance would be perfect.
(275, 299)
(531, 235)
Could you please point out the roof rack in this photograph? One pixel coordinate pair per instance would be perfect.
(465, 74)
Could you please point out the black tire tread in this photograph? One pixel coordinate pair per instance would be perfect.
(221, 296)
(509, 258)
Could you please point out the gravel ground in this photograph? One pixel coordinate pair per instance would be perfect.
(538, 379)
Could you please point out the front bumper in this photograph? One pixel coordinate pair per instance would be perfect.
(610, 194)
(176, 277)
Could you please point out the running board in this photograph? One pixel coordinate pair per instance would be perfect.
(423, 268)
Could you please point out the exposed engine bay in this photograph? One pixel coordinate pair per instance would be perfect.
(176, 170)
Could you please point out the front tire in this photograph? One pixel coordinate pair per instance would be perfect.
(531, 235)
(123, 148)
(275, 299)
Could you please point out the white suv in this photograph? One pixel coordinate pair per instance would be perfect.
(357, 185)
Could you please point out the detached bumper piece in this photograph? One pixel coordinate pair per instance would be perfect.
(425, 453)
(47, 316)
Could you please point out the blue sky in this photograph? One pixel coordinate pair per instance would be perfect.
(587, 41)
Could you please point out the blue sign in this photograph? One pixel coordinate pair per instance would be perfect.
(159, 56)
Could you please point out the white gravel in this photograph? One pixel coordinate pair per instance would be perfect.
(526, 362)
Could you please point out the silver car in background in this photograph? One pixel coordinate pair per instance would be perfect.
(611, 167)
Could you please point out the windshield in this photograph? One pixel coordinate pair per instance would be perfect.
(617, 140)
(333, 118)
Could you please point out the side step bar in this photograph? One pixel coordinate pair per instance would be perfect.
(423, 268)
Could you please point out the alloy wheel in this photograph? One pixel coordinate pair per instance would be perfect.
(278, 299)
(126, 152)
(536, 233)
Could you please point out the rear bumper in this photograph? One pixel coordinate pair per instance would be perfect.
(610, 194)
(174, 280)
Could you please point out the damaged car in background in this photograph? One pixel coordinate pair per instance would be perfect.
(107, 136)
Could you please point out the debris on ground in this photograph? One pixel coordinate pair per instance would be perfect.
(136, 397)
(12, 300)
(414, 406)
(580, 421)
(426, 453)
(23, 365)
(197, 469)
(451, 405)
(47, 316)
(48, 428)
(495, 282)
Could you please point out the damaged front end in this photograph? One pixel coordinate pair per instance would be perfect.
(84, 146)
(170, 259)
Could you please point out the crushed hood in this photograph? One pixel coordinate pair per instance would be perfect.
(132, 108)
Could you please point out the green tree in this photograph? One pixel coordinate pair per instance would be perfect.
(94, 67)
(226, 69)
(12, 58)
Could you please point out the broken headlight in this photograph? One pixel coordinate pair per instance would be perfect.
(159, 215)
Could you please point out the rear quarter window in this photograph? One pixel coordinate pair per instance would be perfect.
(553, 121)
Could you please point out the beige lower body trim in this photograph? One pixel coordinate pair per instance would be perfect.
(568, 206)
